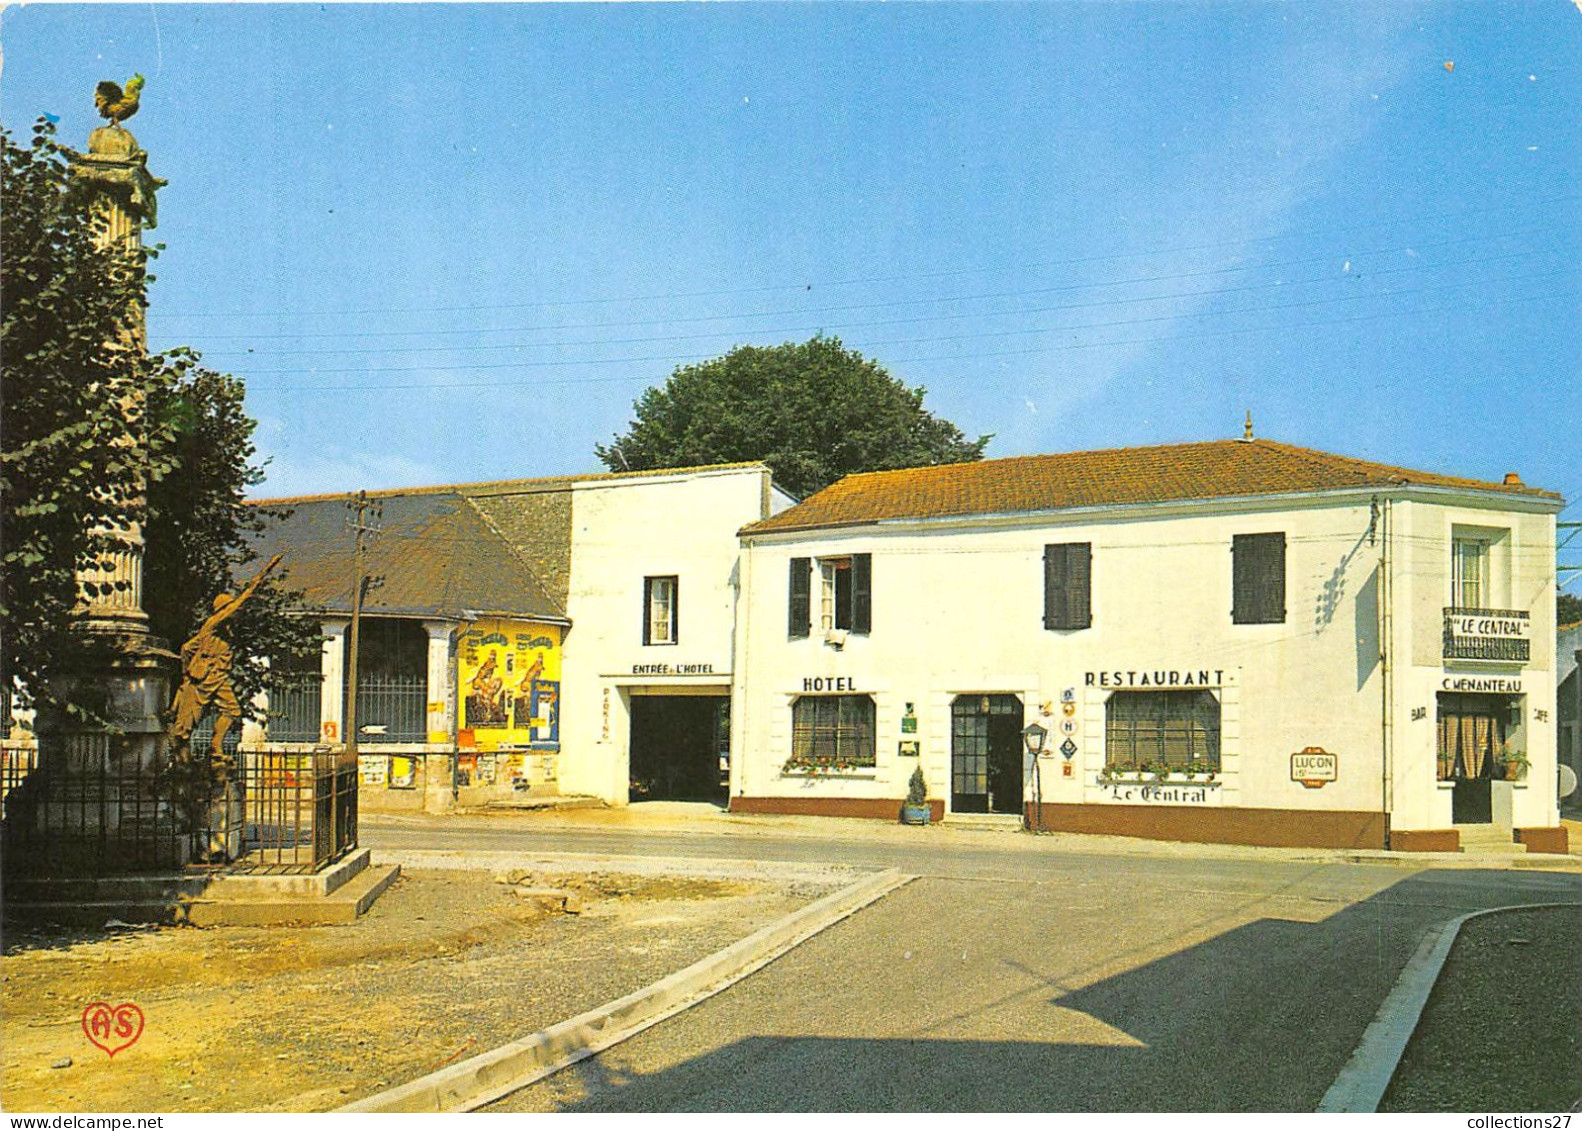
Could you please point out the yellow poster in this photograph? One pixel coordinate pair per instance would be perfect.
(508, 675)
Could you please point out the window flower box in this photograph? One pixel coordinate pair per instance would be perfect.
(1162, 775)
(825, 768)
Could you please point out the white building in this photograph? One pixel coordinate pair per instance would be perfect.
(1237, 641)
(531, 637)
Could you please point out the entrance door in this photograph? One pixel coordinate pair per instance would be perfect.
(1471, 735)
(676, 747)
(986, 754)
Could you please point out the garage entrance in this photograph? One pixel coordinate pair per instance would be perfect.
(681, 746)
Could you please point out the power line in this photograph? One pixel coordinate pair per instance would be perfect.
(912, 276)
(944, 357)
(951, 317)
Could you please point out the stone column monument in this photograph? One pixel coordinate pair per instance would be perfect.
(98, 800)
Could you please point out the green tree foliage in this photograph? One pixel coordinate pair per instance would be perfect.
(97, 435)
(813, 411)
(1568, 608)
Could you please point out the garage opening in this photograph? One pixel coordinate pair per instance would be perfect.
(681, 747)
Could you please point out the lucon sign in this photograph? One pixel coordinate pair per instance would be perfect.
(1314, 767)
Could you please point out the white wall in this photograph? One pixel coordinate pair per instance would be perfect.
(1524, 580)
(623, 530)
(958, 609)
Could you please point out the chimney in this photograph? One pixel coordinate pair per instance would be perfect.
(1513, 480)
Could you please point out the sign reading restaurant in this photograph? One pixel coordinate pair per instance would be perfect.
(1158, 677)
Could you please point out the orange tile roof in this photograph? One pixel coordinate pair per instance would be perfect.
(1111, 477)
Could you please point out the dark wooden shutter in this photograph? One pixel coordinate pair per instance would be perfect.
(800, 619)
(1054, 586)
(1068, 585)
(861, 593)
(675, 610)
(1258, 578)
(648, 610)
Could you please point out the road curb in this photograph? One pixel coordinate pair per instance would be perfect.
(488, 1076)
(1366, 1077)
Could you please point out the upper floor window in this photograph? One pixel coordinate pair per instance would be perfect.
(1469, 573)
(660, 599)
(1258, 578)
(845, 594)
(1068, 585)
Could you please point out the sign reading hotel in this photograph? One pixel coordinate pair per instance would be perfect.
(672, 669)
(508, 676)
(1314, 767)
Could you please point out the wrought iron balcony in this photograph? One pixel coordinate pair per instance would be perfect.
(1488, 634)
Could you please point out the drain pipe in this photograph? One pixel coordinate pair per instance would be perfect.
(1386, 673)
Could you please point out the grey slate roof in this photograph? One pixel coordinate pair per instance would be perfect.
(436, 554)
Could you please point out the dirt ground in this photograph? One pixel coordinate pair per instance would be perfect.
(1502, 1031)
(446, 964)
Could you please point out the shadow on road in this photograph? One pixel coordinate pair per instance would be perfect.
(1260, 1017)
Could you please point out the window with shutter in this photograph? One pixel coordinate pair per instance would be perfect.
(861, 593)
(1258, 578)
(1068, 585)
(845, 593)
(800, 616)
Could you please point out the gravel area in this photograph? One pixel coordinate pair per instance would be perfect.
(1502, 1031)
(447, 964)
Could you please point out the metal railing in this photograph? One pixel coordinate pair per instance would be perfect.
(300, 810)
(1485, 644)
(392, 708)
(95, 804)
(295, 703)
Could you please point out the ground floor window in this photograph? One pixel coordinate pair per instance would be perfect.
(1178, 729)
(832, 731)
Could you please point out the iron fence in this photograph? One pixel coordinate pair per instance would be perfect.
(100, 804)
(392, 708)
(299, 809)
(295, 702)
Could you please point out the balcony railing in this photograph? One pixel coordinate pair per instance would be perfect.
(1488, 634)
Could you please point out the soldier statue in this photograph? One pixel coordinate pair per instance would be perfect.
(206, 674)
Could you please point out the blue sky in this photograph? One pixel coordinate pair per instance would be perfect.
(449, 243)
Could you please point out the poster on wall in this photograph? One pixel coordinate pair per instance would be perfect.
(508, 677)
(486, 770)
(403, 772)
(374, 769)
(466, 768)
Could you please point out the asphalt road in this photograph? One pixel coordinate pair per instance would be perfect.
(1012, 975)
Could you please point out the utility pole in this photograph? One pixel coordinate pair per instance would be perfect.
(363, 519)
